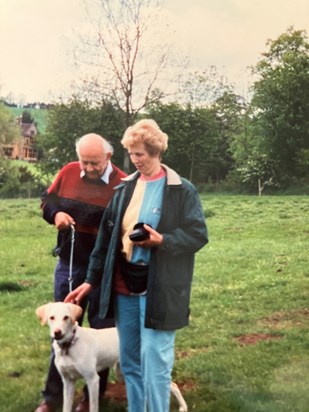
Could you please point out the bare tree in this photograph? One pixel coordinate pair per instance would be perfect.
(203, 88)
(199, 90)
(125, 54)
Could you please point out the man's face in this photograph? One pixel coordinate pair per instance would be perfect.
(93, 162)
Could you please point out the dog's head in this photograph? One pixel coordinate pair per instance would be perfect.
(60, 317)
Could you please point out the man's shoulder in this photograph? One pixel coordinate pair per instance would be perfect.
(70, 169)
(71, 166)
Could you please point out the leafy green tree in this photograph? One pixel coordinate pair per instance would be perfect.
(228, 112)
(303, 162)
(200, 138)
(253, 168)
(191, 138)
(26, 117)
(257, 173)
(172, 120)
(68, 121)
(9, 178)
(280, 104)
(204, 102)
(8, 128)
(22, 179)
(8, 133)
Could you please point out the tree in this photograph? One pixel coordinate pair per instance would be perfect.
(228, 111)
(252, 167)
(257, 173)
(26, 117)
(194, 124)
(68, 121)
(280, 103)
(203, 88)
(9, 178)
(8, 133)
(128, 54)
(8, 128)
(173, 120)
(191, 138)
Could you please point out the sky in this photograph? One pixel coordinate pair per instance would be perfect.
(37, 38)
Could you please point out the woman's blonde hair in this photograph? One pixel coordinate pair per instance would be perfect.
(148, 132)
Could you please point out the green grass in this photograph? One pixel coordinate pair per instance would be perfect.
(250, 281)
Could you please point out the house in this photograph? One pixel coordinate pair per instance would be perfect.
(24, 148)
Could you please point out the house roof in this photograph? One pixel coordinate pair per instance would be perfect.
(28, 129)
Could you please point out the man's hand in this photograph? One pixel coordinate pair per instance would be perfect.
(63, 220)
(78, 294)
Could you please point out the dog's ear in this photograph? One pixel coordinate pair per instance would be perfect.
(76, 311)
(41, 314)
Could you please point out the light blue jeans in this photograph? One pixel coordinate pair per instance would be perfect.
(146, 357)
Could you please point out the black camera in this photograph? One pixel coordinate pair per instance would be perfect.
(139, 233)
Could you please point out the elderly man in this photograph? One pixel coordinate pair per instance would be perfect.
(75, 203)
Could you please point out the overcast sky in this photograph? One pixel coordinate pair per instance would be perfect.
(36, 37)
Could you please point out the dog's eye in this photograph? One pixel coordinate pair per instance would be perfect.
(65, 318)
(52, 317)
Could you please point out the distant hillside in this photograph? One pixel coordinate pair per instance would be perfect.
(39, 115)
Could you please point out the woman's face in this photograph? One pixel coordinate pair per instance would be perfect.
(147, 165)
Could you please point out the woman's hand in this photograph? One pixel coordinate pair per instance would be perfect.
(155, 238)
(78, 294)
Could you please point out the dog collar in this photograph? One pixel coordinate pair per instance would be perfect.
(65, 346)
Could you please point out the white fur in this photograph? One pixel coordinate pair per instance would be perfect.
(91, 351)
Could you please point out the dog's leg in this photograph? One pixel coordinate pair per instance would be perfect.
(180, 399)
(68, 395)
(93, 390)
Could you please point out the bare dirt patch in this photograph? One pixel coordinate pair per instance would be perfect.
(180, 354)
(278, 321)
(117, 391)
(253, 338)
(286, 320)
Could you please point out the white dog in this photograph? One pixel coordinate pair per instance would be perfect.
(82, 352)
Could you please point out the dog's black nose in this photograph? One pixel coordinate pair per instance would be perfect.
(57, 334)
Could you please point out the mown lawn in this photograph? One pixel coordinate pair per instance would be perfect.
(246, 348)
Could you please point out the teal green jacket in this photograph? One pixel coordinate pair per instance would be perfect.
(184, 231)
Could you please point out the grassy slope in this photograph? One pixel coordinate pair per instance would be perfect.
(39, 116)
(252, 278)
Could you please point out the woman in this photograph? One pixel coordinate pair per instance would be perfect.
(146, 280)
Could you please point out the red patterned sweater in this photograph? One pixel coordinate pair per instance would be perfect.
(85, 200)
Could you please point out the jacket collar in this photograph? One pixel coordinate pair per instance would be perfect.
(172, 177)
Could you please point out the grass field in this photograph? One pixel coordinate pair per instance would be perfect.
(246, 349)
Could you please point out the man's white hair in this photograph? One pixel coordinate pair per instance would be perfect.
(106, 146)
